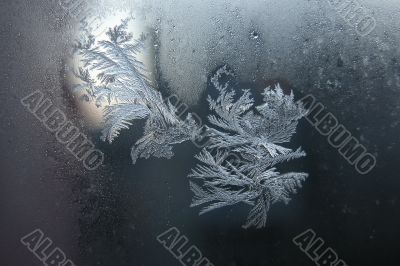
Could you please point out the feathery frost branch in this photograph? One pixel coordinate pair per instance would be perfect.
(253, 134)
(121, 84)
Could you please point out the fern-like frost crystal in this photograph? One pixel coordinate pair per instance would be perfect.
(238, 166)
(121, 84)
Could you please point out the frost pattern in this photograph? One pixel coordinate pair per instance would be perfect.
(121, 84)
(245, 140)
(238, 165)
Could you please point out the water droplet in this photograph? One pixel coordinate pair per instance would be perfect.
(254, 35)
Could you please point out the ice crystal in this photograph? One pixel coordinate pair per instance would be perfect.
(253, 136)
(122, 86)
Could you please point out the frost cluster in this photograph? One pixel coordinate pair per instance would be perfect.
(254, 134)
